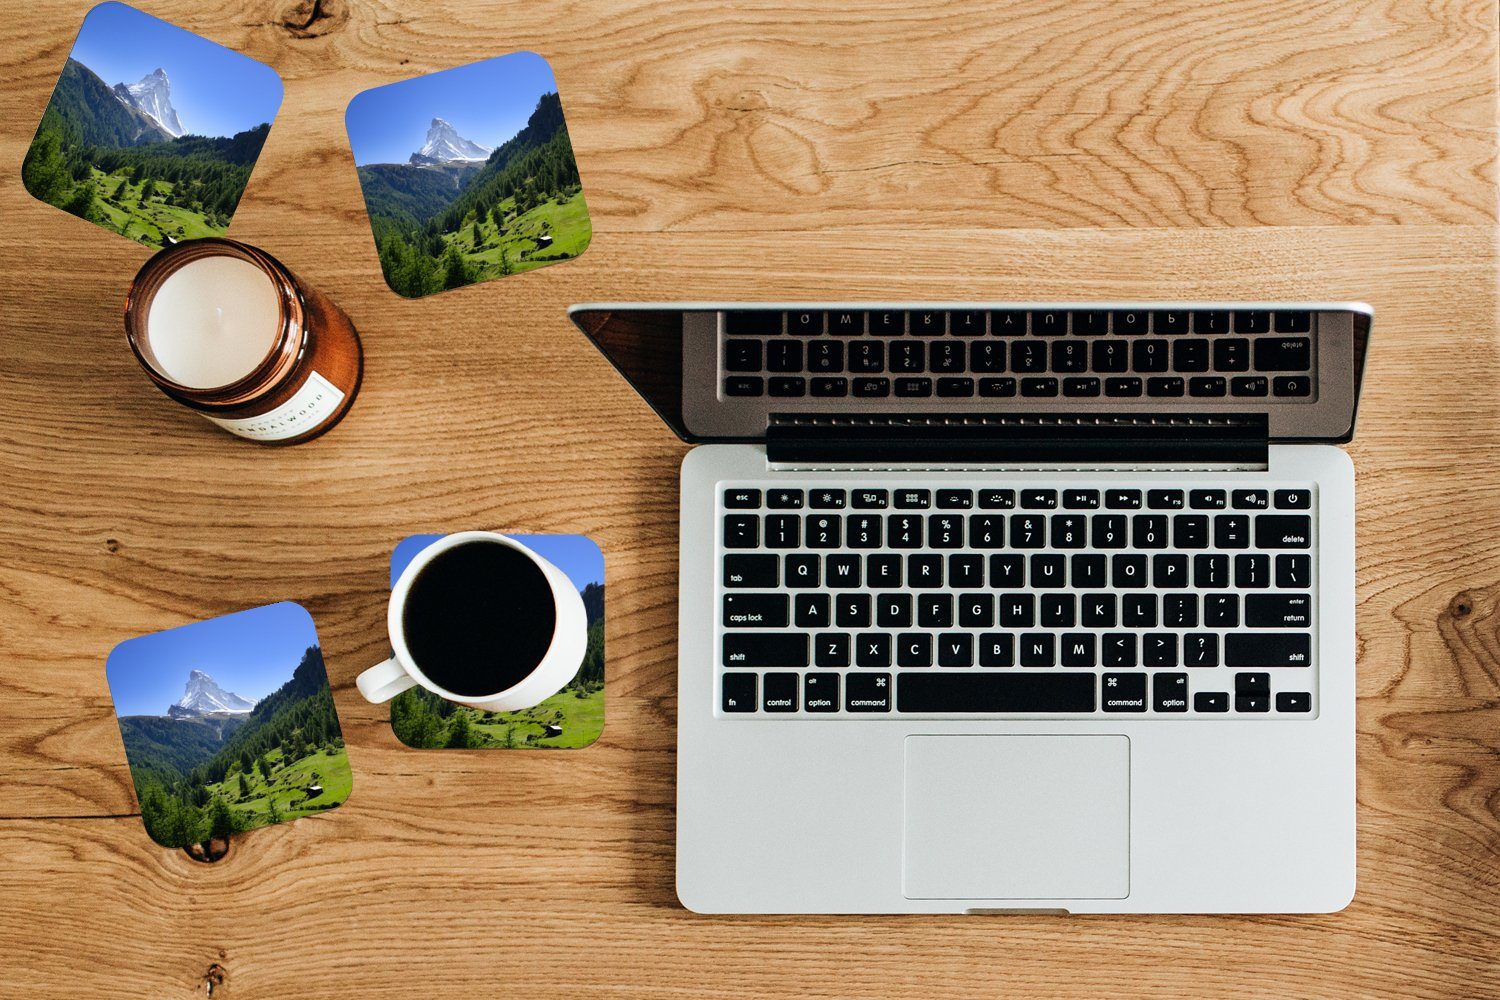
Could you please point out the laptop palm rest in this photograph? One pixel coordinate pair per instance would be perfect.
(1017, 817)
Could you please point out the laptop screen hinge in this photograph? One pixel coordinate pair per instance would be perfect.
(1055, 440)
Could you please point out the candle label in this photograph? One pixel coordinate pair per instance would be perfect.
(312, 404)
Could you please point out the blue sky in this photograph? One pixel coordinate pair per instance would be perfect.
(215, 90)
(575, 555)
(251, 653)
(488, 102)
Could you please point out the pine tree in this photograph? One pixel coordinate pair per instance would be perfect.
(83, 202)
(222, 820)
(455, 271)
(244, 786)
(461, 735)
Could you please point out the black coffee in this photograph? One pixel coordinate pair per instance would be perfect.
(478, 618)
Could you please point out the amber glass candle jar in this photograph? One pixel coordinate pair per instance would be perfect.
(226, 330)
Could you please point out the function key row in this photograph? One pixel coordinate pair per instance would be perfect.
(1291, 387)
(1013, 322)
(1026, 499)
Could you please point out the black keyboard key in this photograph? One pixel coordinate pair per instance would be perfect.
(1070, 356)
(1252, 683)
(820, 693)
(886, 324)
(741, 531)
(945, 531)
(787, 386)
(824, 499)
(997, 387)
(1131, 321)
(784, 499)
(1165, 385)
(1049, 324)
(1169, 692)
(843, 571)
(1036, 387)
(910, 387)
(1200, 649)
(852, 610)
(1249, 385)
(742, 356)
(1294, 499)
(1179, 610)
(1038, 499)
(1252, 321)
(1211, 571)
(907, 357)
(744, 385)
(1149, 531)
(751, 571)
(1090, 571)
(1283, 531)
(872, 649)
(1211, 322)
(1159, 649)
(1078, 649)
(955, 499)
(1138, 610)
(1221, 610)
(765, 649)
(824, 531)
(1252, 572)
(966, 324)
(831, 649)
(1293, 321)
(846, 324)
(1081, 386)
(737, 692)
(1251, 499)
(1252, 703)
(865, 531)
(825, 356)
(884, 570)
(1293, 701)
(1232, 354)
(965, 571)
(1119, 650)
(784, 356)
(867, 357)
(1109, 531)
(1169, 323)
(1090, 323)
(1207, 499)
(1128, 572)
(955, 649)
(1293, 571)
(976, 610)
(783, 531)
(741, 499)
(763, 322)
(1058, 610)
(872, 499)
(1069, 531)
(1123, 692)
(826, 386)
(1166, 499)
(1080, 499)
(997, 499)
(913, 499)
(997, 649)
(804, 571)
(1028, 357)
(867, 693)
(1009, 323)
(1125, 386)
(1267, 649)
(1211, 701)
(1099, 611)
(867, 388)
(1150, 355)
(1278, 611)
(1283, 354)
(913, 649)
(1207, 385)
(1111, 356)
(1017, 610)
(1190, 356)
(804, 323)
(987, 357)
(926, 323)
(1291, 385)
(946, 357)
(756, 611)
(1190, 531)
(904, 531)
(1122, 499)
(995, 693)
(893, 610)
(779, 692)
(955, 388)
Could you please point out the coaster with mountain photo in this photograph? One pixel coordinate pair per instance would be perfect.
(571, 719)
(468, 174)
(151, 131)
(229, 725)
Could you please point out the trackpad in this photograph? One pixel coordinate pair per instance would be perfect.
(1017, 817)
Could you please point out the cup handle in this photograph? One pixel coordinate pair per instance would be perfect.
(384, 681)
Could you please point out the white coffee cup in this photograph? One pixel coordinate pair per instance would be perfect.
(557, 667)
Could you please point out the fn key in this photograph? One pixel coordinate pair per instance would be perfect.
(738, 692)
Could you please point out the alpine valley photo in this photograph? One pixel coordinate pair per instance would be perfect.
(229, 725)
(151, 131)
(468, 174)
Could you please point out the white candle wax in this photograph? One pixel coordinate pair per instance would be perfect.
(212, 322)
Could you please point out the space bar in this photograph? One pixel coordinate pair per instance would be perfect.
(995, 693)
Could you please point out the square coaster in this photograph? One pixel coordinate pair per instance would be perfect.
(569, 720)
(468, 174)
(229, 725)
(151, 131)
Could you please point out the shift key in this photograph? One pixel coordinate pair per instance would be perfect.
(756, 611)
(1267, 649)
(765, 649)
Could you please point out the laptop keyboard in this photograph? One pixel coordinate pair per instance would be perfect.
(1074, 600)
(1037, 354)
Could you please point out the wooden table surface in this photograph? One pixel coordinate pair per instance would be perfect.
(1338, 149)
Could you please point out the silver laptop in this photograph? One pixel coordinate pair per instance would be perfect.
(1010, 607)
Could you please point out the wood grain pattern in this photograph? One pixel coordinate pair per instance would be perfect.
(874, 148)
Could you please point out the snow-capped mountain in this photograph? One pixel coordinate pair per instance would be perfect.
(152, 96)
(203, 696)
(445, 145)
